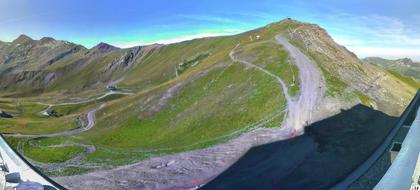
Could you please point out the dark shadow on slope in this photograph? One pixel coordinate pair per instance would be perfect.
(328, 151)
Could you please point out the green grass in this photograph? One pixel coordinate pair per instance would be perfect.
(198, 116)
(272, 57)
(191, 62)
(335, 86)
(52, 154)
(208, 109)
(84, 107)
(203, 112)
(413, 83)
(214, 105)
(29, 122)
(364, 99)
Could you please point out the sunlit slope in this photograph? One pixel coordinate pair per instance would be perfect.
(403, 66)
(208, 99)
(186, 95)
(347, 77)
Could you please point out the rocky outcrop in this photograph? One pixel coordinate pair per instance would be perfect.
(23, 39)
(125, 60)
(27, 53)
(62, 55)
(102, 48)
(5, 115)
(389, 93)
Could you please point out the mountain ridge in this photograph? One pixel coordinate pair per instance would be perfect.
(403, 66)
(310, 36)
(173, 95)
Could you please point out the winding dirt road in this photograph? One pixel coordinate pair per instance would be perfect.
(91, 122)
(90, 116)
(312, 89)
(72, 162)
(189, 170)
(109, 93)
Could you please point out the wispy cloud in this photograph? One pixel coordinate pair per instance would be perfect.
(376, 35)
(257, 15)
(208, 18)
(128, 44)
(175, 39)
(376, 30)
(388, 53)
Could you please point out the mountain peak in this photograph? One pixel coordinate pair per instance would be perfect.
(405, 60)
(289, 21)
(47, 39)
(104, 47)
(23, 39)
(408, 62)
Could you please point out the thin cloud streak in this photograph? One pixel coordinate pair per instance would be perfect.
(208, 18)
(388, 53)
(377, 31)
(175, 39)
(375, 35)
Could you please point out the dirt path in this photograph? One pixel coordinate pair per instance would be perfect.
(189, 170)
(248, 64)
(289, 99)
(72, 162)
(312, 89)
(109, 93)
(75, 161)
(91, 121)
(90, 116)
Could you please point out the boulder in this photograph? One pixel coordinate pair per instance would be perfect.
(5, 115)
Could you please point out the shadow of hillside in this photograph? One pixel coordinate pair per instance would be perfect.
(328, 151)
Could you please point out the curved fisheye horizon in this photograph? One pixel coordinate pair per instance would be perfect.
(364, 27)
(216, 95)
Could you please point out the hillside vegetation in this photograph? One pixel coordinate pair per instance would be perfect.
(405, 66)
(179, 97)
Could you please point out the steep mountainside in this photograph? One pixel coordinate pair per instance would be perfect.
(30, 67)
(182, 96)
(27, 54)
(346, 74)
(403, 66)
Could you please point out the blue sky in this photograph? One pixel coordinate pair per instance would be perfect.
(389, 29)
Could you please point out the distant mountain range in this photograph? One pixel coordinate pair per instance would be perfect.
(403, 66)
(31, 66)
(179, 97)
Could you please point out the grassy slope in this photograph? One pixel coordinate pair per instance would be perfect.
(206, 110)
(272, 57)
(210, 107)
(334, 85)
(27, 119)
(413, 83)
(404, 66)
(52, 154)
(29, 122)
